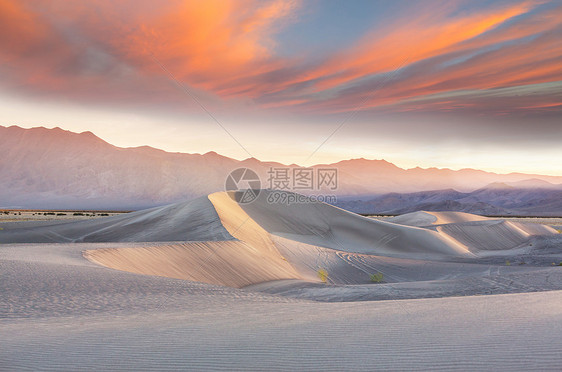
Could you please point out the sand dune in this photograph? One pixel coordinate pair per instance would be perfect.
(259, 227)
(218, 241)
(214, 285)
(423, 218)
(493, 235)
(327, 226)
(195, 220)
(251, 258)
(58, 311)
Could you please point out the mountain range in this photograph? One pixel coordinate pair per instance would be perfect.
(55, 168)
(497, 199)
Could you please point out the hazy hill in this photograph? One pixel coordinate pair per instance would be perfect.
(494, 199)
(54, 168)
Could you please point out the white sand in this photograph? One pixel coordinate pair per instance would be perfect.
(61, 311)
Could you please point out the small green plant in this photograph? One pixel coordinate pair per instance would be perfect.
(560, 264)
(376, 277)
(507, 263)
(323, 275)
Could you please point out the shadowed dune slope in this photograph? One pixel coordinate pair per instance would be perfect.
(493, 235)
(194, 220)
(327, 226)
(423, 218)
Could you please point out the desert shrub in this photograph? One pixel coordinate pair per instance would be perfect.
(376, 277)
(323, 275)
(61, 214)
(78, 214)
(104, 214)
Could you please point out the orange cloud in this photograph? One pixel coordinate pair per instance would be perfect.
(226, 49)
(521, 61)
(209, 44)
(424, 34)
(24, 36)
(218, 46)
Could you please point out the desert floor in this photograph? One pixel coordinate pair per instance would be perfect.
(237, 288)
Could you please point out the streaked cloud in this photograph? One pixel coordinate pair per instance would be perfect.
(226, 49)
(420, 65)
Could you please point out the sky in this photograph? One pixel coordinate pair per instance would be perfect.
(456, 84)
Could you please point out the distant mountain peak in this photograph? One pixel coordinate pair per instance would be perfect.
(88, 134)
(380, 163)
(535, 183)
(497, 186)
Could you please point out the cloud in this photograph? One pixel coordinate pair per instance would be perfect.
(225, 51)
(425, 33)
(473, 57)
(104, 49)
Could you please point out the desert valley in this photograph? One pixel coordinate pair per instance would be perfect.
(280, 185)
(222, 285)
